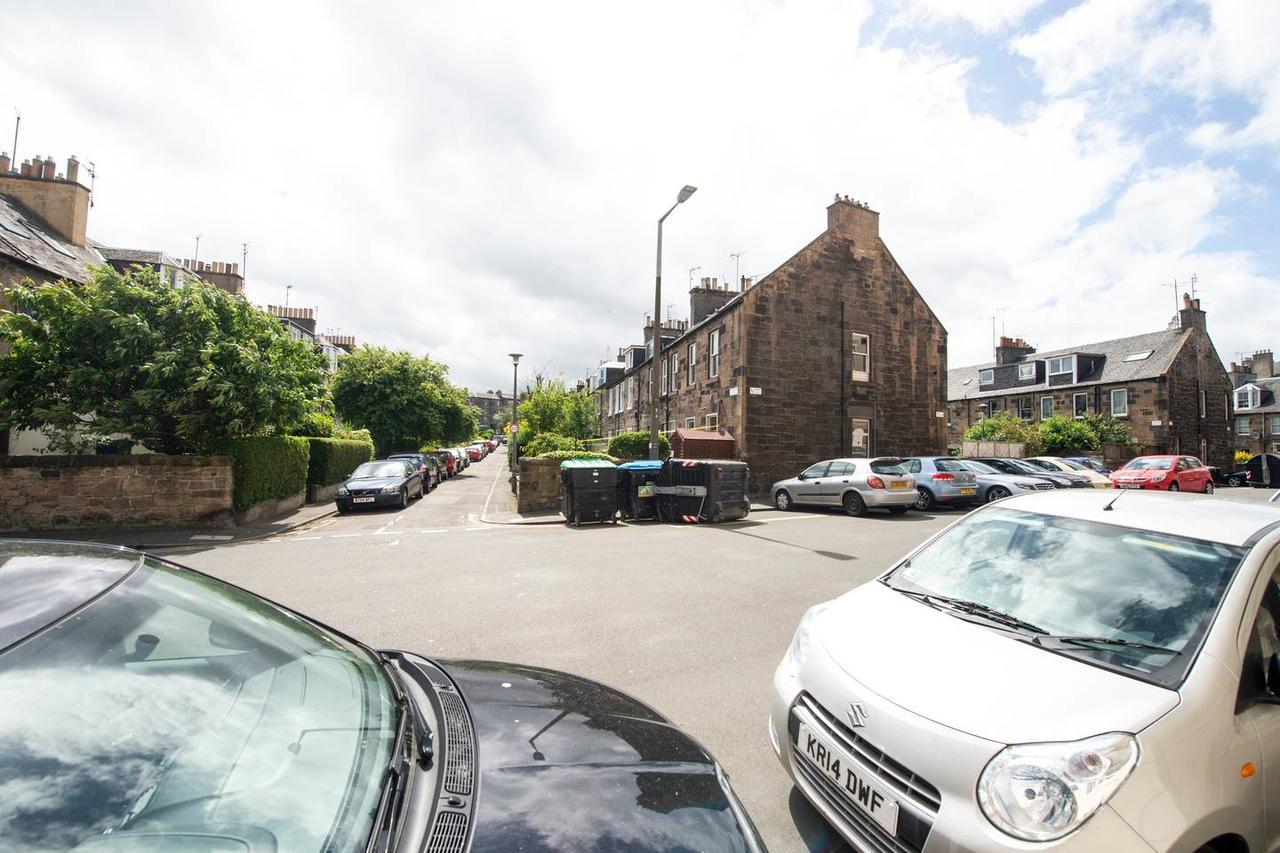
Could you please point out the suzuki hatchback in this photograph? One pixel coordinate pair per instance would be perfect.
(1099, 671)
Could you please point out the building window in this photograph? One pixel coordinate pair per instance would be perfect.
(1027, 371)
(1046, 408)
(689, 423)
(1024, 408)
(675, 373)
(1248, 397)
(1204, 402)
(666, 367)
(1242, 426)
(713, 420)
(692, 360)
(713, 354)
(1064, 366)
(860, 357)
(996, 405)
(1080, 404)
(986, 377)
(1275, 424)
(1120, 403)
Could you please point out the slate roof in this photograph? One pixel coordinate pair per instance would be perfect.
(26, 240)
(1270, 397)
(137, 256)
(1163, 344)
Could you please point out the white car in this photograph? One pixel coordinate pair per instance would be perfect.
(1073, 670)
(1056, 464)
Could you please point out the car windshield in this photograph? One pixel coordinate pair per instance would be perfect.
(379, 469)
(1041, 464)
(1023, 467)
(979, 467)
(1073, 465)
(1092, 464)
(887, 466)
(1078, 578)
(178, 712)
(415, 458)
(1149, 463)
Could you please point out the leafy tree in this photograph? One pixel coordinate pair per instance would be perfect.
(1108, 430)
(176, 369)
(550, 406)
(404, 401)
(549, 442)
(1059, 433)
(1002, 427)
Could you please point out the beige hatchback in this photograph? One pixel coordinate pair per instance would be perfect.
(1074, 670)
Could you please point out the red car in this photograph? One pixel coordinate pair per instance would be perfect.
(1168, 473)
(475, 454)
(448, 462)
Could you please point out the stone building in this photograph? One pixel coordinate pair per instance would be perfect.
(1255, 397)
(490, 404)
(834, 353)
(1170, 386)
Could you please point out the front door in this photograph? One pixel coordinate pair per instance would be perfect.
(808, 489)
(860, 438)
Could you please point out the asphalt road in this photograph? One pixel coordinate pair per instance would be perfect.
(691, 619)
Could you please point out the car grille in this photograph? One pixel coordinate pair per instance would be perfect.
(919, 801)
(1040, 487)
(449, 835)
(363, 492)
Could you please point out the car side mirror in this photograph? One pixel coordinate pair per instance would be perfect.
(802, 476)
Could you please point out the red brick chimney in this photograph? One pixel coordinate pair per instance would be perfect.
(1190, 316)
(61, 204)
(1012, 350)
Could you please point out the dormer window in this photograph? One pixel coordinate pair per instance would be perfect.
(1248, 397)
(986, 377)
(1026, 371)
(1063, 366)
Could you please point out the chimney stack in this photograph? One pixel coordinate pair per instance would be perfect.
(706, 299)
(25, 169)
(5, 162)
(1264, 364)
(62, 205)
(1012, 350)
(854, 221)
(1190, 316)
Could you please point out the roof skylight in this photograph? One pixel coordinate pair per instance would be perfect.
(1139, 356)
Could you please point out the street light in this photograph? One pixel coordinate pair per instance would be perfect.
(657, 328)
(515, 401)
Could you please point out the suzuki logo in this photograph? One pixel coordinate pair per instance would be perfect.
(857, 715)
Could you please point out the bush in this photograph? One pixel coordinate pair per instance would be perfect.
(547, 442)
(1001, 427)
(314, 425)
(266, 467)
(1059, 433)
(635, 445)
(333, 459)
(1242, 457)
(1108, 430)
(562, 455)
(354, 435)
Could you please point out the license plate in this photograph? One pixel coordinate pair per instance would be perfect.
(968, 491)
(1128, 486)
(900, 484)
(362, 500)
(852, 781)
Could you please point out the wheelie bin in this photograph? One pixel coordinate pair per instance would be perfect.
(636, 480)
(694, 490)
(590, 490)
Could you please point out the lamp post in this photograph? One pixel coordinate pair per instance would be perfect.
(655, 388)
(515, 412)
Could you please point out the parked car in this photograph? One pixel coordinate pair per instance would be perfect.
(855, 484)
(383, 482)
(163, 709)
(1168, 473)
(1263, 471)
(448, 463)
(1102, 675)
(426, 464)
(942, 481)
(474, 453)
(1055, 463)
(994, 484)
(1091, 463)
(460, 455)
(1228, 478)
(1059, 479)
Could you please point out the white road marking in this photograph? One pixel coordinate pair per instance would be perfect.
(342, 535)
(304, 538)
(212, 537)
(478, 528)
(435, 530)
(396, 542)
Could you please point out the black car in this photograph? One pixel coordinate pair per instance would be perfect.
(1022, 468)
(383, 482)
(151, 707)
(426, 464)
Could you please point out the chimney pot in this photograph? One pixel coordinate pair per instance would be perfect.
(50, 169)
(5, 162)
(25, 169)
(73, 169)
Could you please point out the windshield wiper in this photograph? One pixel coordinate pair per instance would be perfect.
(976, 609)
(1088, 642)
(423, 750)
(410, 723)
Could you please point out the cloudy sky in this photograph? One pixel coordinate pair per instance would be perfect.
(469, 179)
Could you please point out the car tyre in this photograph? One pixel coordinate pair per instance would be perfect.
(404, 497)
(924, 500)
(1208, 487)
(1173, 487)
(854, 505)
(995, 493)
(782, 500)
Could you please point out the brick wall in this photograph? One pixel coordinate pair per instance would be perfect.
(1197, 367)
(539, 485)
(69, 492)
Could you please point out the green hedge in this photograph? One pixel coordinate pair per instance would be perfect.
(549, 442)
(333, 459)
(266, 467)
(562, 455)
(635, 445)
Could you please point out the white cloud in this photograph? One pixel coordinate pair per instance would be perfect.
(475, 180)
(985, 16)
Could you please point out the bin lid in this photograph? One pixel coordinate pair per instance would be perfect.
(586, 463)
(642, 465)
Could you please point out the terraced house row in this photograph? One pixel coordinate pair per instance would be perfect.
(834, 353)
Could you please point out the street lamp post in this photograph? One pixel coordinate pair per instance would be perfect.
(654, 388)
(515, 413)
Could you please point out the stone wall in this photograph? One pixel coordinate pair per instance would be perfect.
(50, 493)
(539, 485)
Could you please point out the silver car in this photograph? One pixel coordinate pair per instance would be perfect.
(994, 485)
(1077, 671)
(854, 484)
(942, 481)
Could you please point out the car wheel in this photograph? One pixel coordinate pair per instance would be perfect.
(1173, 487)
(404, 497)
(924, 499)
(854, 505)
(1208, 487)
(995, 493)
(782, 500)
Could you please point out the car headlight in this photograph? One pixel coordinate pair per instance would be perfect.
(1157, 478)
(390, 490)
(342, 490)
(1026, 487)
(1042, 791)
(799, 648)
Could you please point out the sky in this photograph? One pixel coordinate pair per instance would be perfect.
(467, 180)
